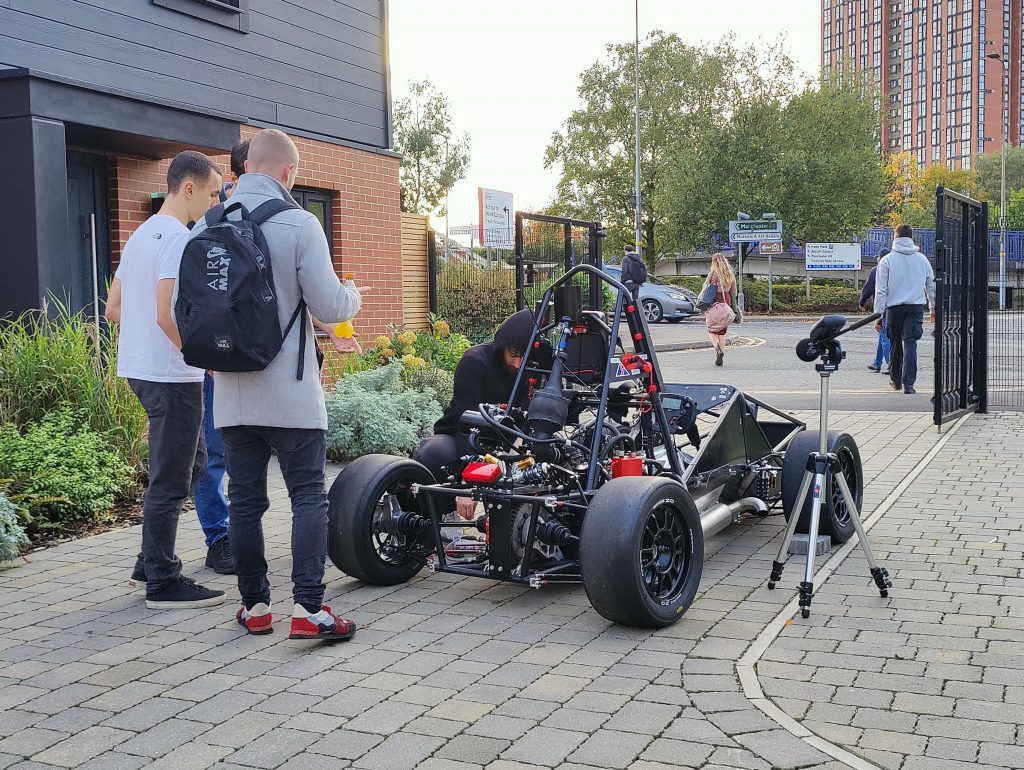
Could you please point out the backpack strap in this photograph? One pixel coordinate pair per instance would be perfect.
(259, 215)
(300, 369)
(266, 210)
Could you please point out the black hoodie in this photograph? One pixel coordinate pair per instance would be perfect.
(482, 377)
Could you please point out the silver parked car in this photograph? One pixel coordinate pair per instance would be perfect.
(660, 300)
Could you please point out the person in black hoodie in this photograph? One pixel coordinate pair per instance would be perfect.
(485, 375)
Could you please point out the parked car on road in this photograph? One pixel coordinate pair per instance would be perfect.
(660, 300)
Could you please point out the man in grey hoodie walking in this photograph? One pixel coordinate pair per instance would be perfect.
(903, 282)
(273, 410)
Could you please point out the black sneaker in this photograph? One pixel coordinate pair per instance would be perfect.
(220, 558)
(874, 368)
(896, 385)
(909, 390)
(138, 578)
(183, 593)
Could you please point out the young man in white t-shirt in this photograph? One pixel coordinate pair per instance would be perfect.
(149, 356)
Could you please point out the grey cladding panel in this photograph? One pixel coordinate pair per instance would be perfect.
(311, 65)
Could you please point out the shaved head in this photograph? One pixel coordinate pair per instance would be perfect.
(272, 152)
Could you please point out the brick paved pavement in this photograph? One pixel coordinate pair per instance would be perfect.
(450, 672)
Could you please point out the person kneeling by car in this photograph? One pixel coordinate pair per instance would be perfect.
(485, 375)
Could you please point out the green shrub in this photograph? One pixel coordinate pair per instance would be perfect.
(66, 472)
(57, 362)
(12, 535)
(373, 411)
(475, 300)
(438, 382)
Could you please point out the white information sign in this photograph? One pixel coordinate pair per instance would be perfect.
(497, 218)
(832, 256)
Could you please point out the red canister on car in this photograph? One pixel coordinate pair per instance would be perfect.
(627, 465)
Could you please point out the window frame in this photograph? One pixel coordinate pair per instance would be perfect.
(304, 195)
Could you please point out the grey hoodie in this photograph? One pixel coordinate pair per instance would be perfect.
(303, 269)
(904, 277)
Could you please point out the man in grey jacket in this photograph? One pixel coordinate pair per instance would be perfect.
(903, 282)
(272, 410)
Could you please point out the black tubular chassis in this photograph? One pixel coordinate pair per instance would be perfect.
(723, 448)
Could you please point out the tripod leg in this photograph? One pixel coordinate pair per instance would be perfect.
(806, 588)
(880, 574)
(794, 518)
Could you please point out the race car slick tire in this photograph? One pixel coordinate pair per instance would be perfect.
(641, 551)
(835, 520)
(357, 544)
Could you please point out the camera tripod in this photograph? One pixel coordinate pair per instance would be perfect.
(822, 344)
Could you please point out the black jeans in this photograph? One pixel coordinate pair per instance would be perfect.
(177, 458)
(301, 453)
(905, 325)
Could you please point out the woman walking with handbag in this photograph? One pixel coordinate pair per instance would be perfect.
(720, 314)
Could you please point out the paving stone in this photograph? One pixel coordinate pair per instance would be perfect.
(737, 758)
(475, 749)
(83, 746)
(190, 756)
(610, 749)
(30, 741)
(271, 749)
(642, 717)
(345, 744)
(386, 718)
(677, 753)
(697, 730)
(780, 749)
(242, 729)
(950, 748)
(544, 746)
(499, 726)
(403, 751)
(147, 714)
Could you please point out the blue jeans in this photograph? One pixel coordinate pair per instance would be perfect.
(211, 506)
(881, 352)
(301, 453)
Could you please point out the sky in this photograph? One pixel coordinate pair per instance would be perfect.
(510, 69)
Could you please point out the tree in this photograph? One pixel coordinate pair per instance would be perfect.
(920, 209)
(433, 157)
(990, 173)
(681, 87)
(804, 151)
(900, 178)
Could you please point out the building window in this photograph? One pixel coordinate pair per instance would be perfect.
(317, 203)
(233, 14)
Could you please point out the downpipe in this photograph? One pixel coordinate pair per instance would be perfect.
(721, 515)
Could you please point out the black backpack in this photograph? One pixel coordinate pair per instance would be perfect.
(226, 309)
(637, 271)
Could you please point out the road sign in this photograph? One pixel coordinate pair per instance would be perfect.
(832, 256)
(770, 247)
(753, 230)
(496, 218)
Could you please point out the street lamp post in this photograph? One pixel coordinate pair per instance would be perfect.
(1005, 115)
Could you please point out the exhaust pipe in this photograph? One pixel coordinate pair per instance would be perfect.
(718, 517)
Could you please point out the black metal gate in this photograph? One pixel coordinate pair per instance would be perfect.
(961, 322)
(547, 247)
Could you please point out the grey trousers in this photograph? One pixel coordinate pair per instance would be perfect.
(177, 458)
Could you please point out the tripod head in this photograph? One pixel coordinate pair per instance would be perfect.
(822, 343)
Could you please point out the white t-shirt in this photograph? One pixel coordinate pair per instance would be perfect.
(143, 350)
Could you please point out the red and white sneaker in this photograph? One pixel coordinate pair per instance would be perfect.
(320, 625)
(256, 620)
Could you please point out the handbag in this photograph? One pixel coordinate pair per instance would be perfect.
(707, 296)
(718, 317)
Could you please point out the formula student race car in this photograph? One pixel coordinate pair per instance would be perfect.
(611, 477)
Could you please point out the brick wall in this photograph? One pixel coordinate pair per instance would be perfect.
(365, 216)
